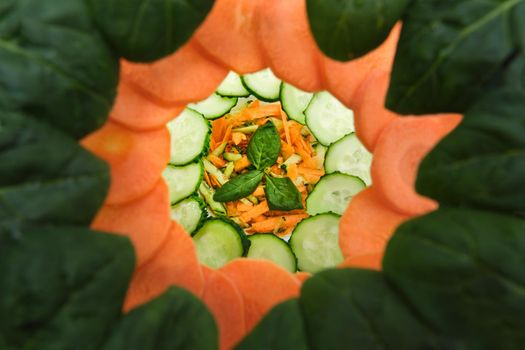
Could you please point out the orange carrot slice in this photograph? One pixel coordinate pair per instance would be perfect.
(174, 264)
(229, 35)
(367, 225)
(257, 210)
(368, 261)
(398, 152)
(262, 284)
(136, 159)
(241, 163)
(225, 303)
(218, 162)
(185, 76)
(302, 276)
(147, 232)
(284, 34)
(370, 115)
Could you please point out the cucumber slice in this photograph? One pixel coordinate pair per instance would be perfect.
(189, 212)
(232, 86)
(216, 207)
(214, 106)
(263, 85)
(270, 247)
(183, 180)
(328, 119)
(190, 136)
(315, 243)
(320, 154)
(219, 241)
(349, 156)
(332, 193)
(294, 102)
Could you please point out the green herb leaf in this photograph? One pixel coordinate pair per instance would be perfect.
(61, 286)
(239, 187)
(176, 320)
(345, 30)
(282, 194)
(146, 30)
(264, 146)
(482, 162)
(450, 50)
(269, 331)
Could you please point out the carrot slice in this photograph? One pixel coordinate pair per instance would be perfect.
(368, 261)
(185, 76)
(147, 232)
(229, 35)
(218, 162)
(367, 225)
(136, 159)
(241, 163)
(286, 150)
(269, 224)
(398, 152)
(370, 115)
(284, 34)
(302, 276)
(259, 191)
(262, 284)
(292, 172)
(137, 112)
(225, 303)
(257, 210)
(242, 207)
(238, 137)
(174, 264)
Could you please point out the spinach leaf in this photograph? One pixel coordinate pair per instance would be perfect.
(462, 270)
(282, 194)
(264, 146)
(346, 29)
(176, 320)
(146, 30)
(46, 176)
(268, 334)
(62, 288)
(54, 64)
(239, 187)
(450, 51)
(359, 309)
(482, 162)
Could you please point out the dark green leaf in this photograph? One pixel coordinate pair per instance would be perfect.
(449, 51)
(239, 187)
(282, 194)
(346, 29)
(462, 270)
(281, 329)
(176, 320)
(56, 65)
(358, 309)
(62, 288)
(482, 162)
(264, 146)
(146, 30)
(45, 176)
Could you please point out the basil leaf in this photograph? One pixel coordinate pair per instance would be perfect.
(61, 287)
(146, 30)
(239, 187)
(450, 50)
(176, 320)
(264, 146)
(282, 194)
(348, 29)
(268, 334)
(482, 162)
(46, 176)
(56, 65)
(468, 263)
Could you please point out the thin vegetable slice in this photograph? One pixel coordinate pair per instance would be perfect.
(232, 86)
(189, 213)
(270, 247)
(183, 181)
(190, 136)
(349, 156)
(294, 102)
(214, 106)
(263, 84)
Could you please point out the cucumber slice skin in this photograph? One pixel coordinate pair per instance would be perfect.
(190, 137)
(338, 154)
(315, 242)
(179, 179)
(277, 250)
(316, 120)
(232, 86)
(189, 213)
(218, 241)
(294, 109)
(214, 107)
(318, 201)
(250, 83)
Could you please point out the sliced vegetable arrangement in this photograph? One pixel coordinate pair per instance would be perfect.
(261, 167)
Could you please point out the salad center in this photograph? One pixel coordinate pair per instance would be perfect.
(264, 170)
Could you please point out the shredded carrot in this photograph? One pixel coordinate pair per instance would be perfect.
(218, 162)
(207, 179)
(259, 191)
(277, 170)
(227, 134)
(257, 210)
(270, 224)
(258, 219)
(292, 172)
(232, 210)
(238, 137)
(283, 213)
(286, 232)
(242, 163)
(217, 130)
(304, 170)
(286, 129)
(213, 144)
(243, 207)
(214, 181)
(286, 150)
